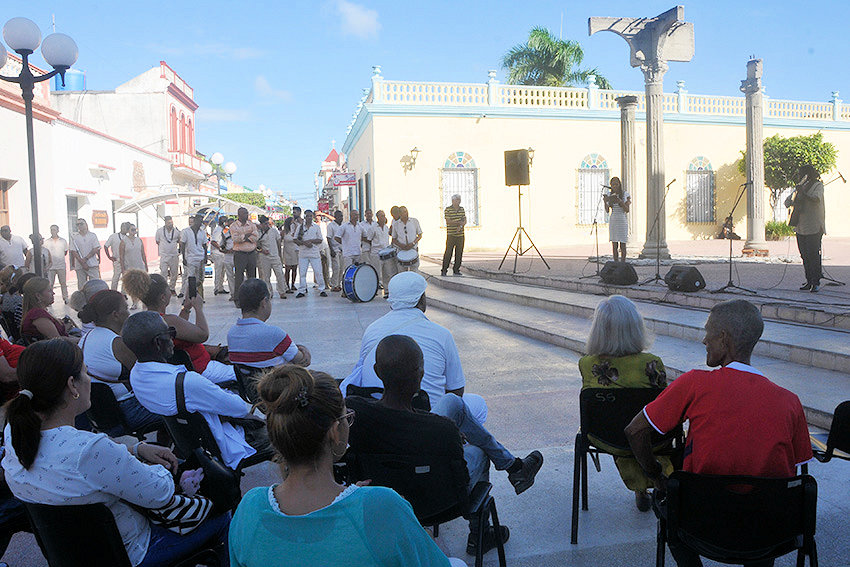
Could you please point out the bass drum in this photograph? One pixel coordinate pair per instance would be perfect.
(360, 283)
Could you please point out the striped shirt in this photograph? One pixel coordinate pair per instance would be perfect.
(257, 344)
(455, 215)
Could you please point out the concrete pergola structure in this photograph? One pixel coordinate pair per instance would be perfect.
(653, 42)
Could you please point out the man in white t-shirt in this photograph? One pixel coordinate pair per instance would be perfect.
(85, 253)
(58, 249)
(112, 248)
(168, 242)
(380, 240)
(333, 230)
(193, 247)
(406, 234)
(216, 255)
(268, 256)
(367, 226)
(13, 249)
(309, 241)
(349, 236)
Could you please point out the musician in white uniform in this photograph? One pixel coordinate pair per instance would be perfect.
(367, 226)
(168, 242)
(309, 241)
(380, 240)
(406, 234)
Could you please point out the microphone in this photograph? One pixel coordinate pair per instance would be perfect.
(609, 187)
(842, 177)
(746, 183)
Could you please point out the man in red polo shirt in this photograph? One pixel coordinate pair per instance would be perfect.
(741, 423)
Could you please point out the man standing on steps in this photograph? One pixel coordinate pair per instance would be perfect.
(168, 243)
(334, 230)
(245, 235)
(112, 247)
(85, 253)
(455, 221)
(741, 423)
(58, 248)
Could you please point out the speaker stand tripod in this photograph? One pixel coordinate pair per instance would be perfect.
(519, 249)
(657, 277)
(731, 284)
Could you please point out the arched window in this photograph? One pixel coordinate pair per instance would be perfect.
(182, 132)
(175, 141)
(593, 173)
(459, 176)
(700, 191)
(190, 136)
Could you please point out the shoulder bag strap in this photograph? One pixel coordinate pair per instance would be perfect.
(181, 394)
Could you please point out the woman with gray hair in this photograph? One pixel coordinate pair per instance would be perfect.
(616, 359)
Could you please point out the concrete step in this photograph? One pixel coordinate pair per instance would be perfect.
(810, 345)
(819, 390)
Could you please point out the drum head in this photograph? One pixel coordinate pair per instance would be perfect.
(365, 283)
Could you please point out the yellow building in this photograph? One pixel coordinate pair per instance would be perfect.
(461, 131)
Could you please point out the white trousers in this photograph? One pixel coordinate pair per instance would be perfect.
(86, 274)
(168, 269)
(386, 269)
(316, 264)
(337, 269)
(268, 263)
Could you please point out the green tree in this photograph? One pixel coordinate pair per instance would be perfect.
(545, 60)
(255, 199)
(783, 158)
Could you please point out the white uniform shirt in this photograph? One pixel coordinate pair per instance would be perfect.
(57, 249)
(367, 228)
(153, 384)
(195, 244)
(215, 236)
(443, 370)
(333, 231)
(311, 233)
(168, 242)
(406, 232)
(75, 467)
(13, 252)
(350, 235)
(84, 244)
(114, 245)
(270, 241)
(380, 237)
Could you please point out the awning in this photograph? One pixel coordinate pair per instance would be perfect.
(217, 201)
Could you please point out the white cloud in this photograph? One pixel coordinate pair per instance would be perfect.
(223, 114)
(265, 90)
(358, 20)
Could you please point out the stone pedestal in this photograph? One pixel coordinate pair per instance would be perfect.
(628, 168)
(752, 88)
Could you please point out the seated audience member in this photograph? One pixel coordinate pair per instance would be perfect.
(443, 371)
(615, 359)
(153, 381)
(309, 519)
(741, 423)
(392, 426)
(12, 281)
(48, 461)
(9, 354)
(37, 322)
(153, 290)
(82, 296)
(255, 343)
(108, 360)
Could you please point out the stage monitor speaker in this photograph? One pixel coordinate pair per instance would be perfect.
(684, 278)
(618, 273)
(516, 168)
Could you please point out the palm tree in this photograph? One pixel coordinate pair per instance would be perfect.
(545, 60)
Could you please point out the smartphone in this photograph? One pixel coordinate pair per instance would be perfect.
(193, 287)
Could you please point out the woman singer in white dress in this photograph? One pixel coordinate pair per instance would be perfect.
(617, 204)
(133, 257)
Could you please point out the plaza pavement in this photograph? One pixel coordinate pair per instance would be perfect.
(532, 391)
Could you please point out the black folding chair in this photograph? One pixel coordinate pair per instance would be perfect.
(838, 438)
(106, 416)
(421, 401)
(604, 415)
(86, 536)
(246, 382)
(739, 519)
(438, 490)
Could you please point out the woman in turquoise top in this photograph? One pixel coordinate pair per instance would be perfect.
(309, 519)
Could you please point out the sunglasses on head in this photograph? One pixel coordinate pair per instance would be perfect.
(170, 332)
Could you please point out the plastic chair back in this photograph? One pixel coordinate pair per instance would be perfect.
(605, 413)
(105, 413)
(78, 536)
(741, 519)
(246, 381)
(421, 401)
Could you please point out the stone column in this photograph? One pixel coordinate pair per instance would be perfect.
(656, 232)
(628, 167)
(755, 156)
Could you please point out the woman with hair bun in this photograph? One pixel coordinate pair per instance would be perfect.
(49, 461)
(616, 359)
(154, 292)
(309, 519)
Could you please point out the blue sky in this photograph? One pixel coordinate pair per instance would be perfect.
(277, 81)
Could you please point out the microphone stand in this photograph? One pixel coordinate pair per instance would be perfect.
(730, 284)
(657, 277)
(595, 229)
(823, 275)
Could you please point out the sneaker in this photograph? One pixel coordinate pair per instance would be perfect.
(456, 273)
(489, 540)
(283, 296)
(323, 294)
(290, 290)
(523, 479)
(642, 500)
(443, 273)
(815, 288)
(336, 289)
(806, 287)
(300, 294)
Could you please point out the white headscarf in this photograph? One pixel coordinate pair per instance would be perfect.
(405, 290)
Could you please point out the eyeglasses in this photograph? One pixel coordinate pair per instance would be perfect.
(170, 332)
(349, 417)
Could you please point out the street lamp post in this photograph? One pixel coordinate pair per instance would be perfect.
(222, 170)
(60, 52)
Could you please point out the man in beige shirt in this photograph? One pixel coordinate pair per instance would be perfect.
(245, 235)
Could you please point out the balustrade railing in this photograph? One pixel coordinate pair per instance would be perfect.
(798, 109)
(453, 94)
(551, 97)
(724, 105)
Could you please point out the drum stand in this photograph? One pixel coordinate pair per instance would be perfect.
(519, 249)
(595, 229)
(731, 284)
